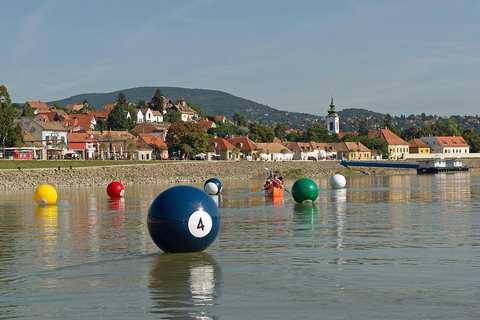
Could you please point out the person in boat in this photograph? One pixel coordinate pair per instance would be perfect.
(269, 182)
(280, 182)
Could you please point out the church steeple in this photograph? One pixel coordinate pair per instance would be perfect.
(333, 119)
(332, 112)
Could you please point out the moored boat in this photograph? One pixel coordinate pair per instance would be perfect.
(274, 192)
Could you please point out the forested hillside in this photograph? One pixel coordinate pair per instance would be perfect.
(212, 102)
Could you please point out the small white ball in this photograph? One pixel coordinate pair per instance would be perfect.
(338, 181)
(211, 188)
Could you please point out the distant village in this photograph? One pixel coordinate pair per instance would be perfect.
(55, 134)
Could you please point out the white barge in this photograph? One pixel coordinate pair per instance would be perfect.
(440, 165)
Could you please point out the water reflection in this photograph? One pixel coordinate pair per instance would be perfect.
(116, 204)
(184, 285)
(339, 199)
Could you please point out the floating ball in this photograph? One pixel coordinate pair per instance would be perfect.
(304, 190)
(45, 195)
(337, 181)
(212, 186)
(115, 190)
(183, 219)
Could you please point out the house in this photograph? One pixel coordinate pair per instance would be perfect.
(447, 145)
(144, 115)
(121, 145)
(85, 121)
(418, 146)
(109, 107)
(351, 151)
(74, 107)
(53, 135)
(274, 152)
(157, 116)
(159, 129)
(223, 148)
(188, 114)
(396, 146)
(301, 150)
(38, 106)
(160, 150)
(222, 119)
(323, 150)
(41, 117)
(82, 145)
(206, 124)
(247, 149)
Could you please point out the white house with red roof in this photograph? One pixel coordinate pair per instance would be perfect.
(160, 150)
(144, 115)
(447, 145)
(248, 149)
(223, 148)
(38, 106)
(206, 124)
(274, 152)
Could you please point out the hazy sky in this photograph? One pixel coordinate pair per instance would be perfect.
(397, 57)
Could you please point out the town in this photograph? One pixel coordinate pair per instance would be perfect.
(163, 129)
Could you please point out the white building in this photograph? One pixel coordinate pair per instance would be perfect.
(447, 145)
(333, 120)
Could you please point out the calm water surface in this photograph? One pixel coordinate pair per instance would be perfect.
(385, 247)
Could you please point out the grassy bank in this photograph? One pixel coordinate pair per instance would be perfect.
(45, 164)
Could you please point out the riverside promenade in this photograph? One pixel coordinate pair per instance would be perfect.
(186, 171)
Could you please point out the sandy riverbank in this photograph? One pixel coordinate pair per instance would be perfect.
(182, 172)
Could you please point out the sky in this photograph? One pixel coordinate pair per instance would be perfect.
(400, 57)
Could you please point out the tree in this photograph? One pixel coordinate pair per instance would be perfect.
(292, 136)
(279, 131)
(387, 123)
(450, 128)
(122, 99)
(158, 100)
(10, 136)
(472, 140)
(317, 133)
(363, 129)
(141, 104)
(186, 134)
(28, 111)
(172, 116)
(117, 119)
(411, 133)
(239, 120)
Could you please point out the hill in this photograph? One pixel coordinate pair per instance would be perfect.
(212, 102)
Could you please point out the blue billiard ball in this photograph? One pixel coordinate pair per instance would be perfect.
(212, 186)
(183, 219)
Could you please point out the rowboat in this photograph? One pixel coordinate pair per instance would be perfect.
(274, 192)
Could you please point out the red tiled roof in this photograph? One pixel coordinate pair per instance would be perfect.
(452, 141)
(109, 106)
(151, 140)
(37, 104)
(388, 136)
(417, 143)
(79, 137)
(221, 144)
(246, 144)
(205, 124)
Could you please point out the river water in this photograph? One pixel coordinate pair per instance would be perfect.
(385, 247)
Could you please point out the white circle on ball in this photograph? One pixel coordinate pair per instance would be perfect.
(43, 201)
(200, 223)
(211, 188)
(122, 193)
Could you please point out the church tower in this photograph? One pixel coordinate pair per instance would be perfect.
(333, 120)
